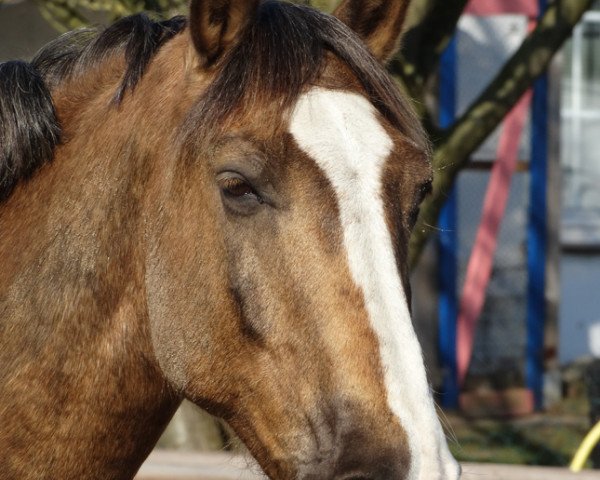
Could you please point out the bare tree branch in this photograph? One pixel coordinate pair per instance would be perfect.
(452, 152)
(67, 15)
(61, 15)
(424, 42)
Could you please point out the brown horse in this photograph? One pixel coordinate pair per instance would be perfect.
(215, 209)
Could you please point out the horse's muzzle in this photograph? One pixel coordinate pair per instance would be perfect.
(359, 454)
(365, 455)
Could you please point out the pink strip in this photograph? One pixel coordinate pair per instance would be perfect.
(480, 263)
(499, 7)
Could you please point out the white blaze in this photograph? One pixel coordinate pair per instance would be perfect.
(341, 132)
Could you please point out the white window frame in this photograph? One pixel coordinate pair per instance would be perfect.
(580, 228)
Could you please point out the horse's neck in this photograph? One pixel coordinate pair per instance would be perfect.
(81, 413)
(81, 395)
(61, 419)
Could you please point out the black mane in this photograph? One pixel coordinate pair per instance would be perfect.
(29, 129)
(137, 36)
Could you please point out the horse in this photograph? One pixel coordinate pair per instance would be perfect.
(214, 208)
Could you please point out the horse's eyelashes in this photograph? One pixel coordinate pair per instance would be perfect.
(236, 187)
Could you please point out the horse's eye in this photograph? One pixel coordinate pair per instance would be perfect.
(422, 192)
(412, 217)
(238, 194)
(236, 187)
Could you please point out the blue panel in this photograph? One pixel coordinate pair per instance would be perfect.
(536, 239)
(448, 85)
(448, 310)
(448, 307)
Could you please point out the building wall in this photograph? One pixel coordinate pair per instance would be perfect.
(580, 307)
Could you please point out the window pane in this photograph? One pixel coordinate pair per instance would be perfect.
(581, 135)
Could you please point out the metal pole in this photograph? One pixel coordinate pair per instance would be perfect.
(447, 244)
(536, 238)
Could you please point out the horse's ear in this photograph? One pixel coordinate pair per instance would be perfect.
(215, 25)
(378, 22)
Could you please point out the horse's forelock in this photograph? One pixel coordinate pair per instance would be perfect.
(284, 52)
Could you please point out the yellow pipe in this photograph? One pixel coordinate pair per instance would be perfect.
(584, 450)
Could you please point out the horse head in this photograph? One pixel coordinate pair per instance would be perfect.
(302, 168)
